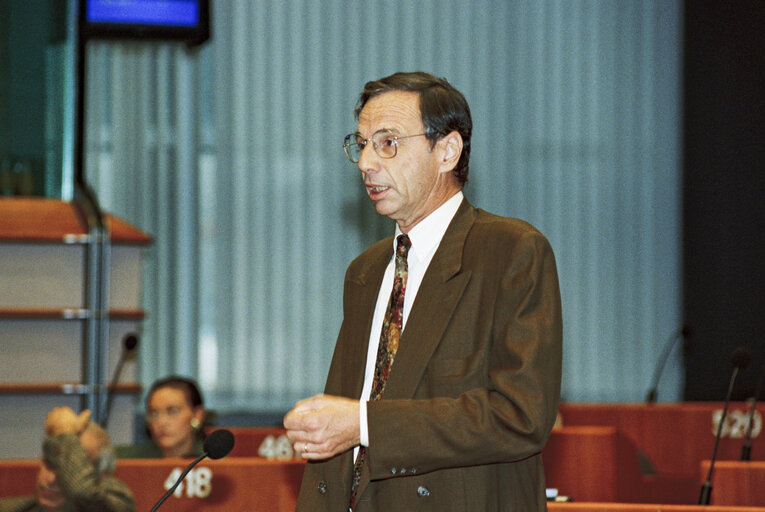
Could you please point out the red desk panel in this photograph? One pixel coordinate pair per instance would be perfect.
(644, 507)
(581, 462)
(224, 485)
(669, 442)
(736, 482)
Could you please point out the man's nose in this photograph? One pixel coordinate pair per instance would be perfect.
(369, 159)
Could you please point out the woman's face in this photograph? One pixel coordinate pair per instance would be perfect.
(169, 417)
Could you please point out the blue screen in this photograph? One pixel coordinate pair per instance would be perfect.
(179, 13)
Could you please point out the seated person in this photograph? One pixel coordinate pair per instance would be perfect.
(76, 470)
(175, 421)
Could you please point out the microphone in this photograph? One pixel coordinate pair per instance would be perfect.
(741, 358)
(216, 446)
(746, 449)
(129, 342)
(683, 333)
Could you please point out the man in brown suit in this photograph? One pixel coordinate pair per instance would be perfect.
(473, 390)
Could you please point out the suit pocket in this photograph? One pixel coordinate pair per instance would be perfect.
(444, 368)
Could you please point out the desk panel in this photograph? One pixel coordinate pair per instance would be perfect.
(580, 461)
(669, 441)
(212, 486)
(736, 482)
(644, 507)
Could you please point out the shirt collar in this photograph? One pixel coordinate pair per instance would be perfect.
(427, 234)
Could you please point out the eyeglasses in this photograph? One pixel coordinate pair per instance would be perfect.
(384, 142)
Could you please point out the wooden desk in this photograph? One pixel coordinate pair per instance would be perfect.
(581, 462)
(249, 439)
(224, 485)
(669, 441)
(736, 482)
(644, 507)
(606, 458)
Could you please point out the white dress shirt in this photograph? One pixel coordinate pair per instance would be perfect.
(425, 237)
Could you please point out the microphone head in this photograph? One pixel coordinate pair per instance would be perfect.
(129, 342)
(219, 443)
(741, 357)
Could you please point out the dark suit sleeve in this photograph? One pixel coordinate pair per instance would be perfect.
(491, 389)
(79, 480)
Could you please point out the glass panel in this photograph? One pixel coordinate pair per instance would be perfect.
(36, 98)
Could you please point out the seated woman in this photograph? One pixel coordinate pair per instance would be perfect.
(175, 421)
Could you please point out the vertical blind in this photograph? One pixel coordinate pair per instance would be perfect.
(230, 156)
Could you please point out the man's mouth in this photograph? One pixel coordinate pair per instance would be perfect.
(376, 189)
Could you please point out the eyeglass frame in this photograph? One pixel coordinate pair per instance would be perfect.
(375, 145)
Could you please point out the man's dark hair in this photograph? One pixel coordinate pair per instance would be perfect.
(442, 107)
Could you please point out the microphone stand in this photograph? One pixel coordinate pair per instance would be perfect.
(668, 346)
(746, 449)
(741, 358)
(178, 482)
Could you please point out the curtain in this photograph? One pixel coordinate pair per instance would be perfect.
(230, 156)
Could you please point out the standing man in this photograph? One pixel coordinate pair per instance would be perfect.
(76, 471)
(442, 392)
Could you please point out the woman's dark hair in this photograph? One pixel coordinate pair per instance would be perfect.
(188, 386)
(442, 107)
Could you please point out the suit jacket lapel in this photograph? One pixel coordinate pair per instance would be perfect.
(440, 290)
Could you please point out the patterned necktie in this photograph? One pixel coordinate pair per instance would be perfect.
(389, 337)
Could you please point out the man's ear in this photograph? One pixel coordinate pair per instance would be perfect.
(451, 149)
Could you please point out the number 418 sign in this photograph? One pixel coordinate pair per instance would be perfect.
(197, 484)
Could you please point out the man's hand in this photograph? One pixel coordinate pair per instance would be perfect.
(322, 426)
(63, 420)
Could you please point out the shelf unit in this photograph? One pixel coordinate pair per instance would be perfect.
(46, 342)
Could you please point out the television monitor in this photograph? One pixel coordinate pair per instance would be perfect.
(182, 20)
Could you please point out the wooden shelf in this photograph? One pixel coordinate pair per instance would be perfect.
(42, 220)
(67, 314)
(49, 323)
(55, 388)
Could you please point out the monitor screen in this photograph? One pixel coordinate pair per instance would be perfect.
(186, 20)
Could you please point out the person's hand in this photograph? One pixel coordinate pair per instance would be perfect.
(63, 420)
(323, 426)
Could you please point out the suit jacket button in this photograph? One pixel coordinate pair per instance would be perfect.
(322, 487)
(393, 471)
(423, 491)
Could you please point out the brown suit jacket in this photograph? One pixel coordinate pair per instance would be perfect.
(474, 390)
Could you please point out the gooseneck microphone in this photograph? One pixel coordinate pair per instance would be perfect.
(216, 446)
(740, 359)
(683, 334)
(129, 343)
(746, 448)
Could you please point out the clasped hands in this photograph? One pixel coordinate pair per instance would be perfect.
(323, 426)
(63, 420)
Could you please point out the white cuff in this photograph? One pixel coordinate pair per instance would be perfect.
(363, 424)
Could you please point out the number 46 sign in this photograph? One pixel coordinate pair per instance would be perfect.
(197, 484)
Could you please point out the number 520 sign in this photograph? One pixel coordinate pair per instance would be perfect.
(736, 423)
(197, 484)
